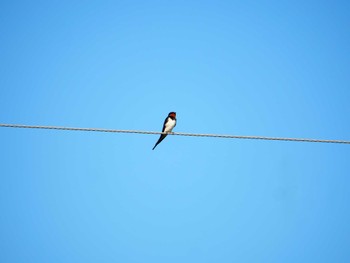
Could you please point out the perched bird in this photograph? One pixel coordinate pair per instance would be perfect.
(169, 124)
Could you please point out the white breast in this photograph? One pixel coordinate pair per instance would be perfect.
(169, 126)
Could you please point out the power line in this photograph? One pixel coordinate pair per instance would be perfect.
(175, 133)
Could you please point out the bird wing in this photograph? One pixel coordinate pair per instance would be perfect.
(165, 121)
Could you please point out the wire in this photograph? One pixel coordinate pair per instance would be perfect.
(173, 133)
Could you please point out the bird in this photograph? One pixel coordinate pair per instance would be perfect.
(169, 124)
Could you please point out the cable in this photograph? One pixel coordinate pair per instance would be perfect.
(174, 133)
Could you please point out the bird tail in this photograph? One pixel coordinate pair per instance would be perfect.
(161, 138)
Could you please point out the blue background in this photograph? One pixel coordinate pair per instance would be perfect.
(268, 68)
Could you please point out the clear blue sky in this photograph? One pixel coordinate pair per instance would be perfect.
(268, 68)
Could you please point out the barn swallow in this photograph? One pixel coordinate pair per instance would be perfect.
(169, 124)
